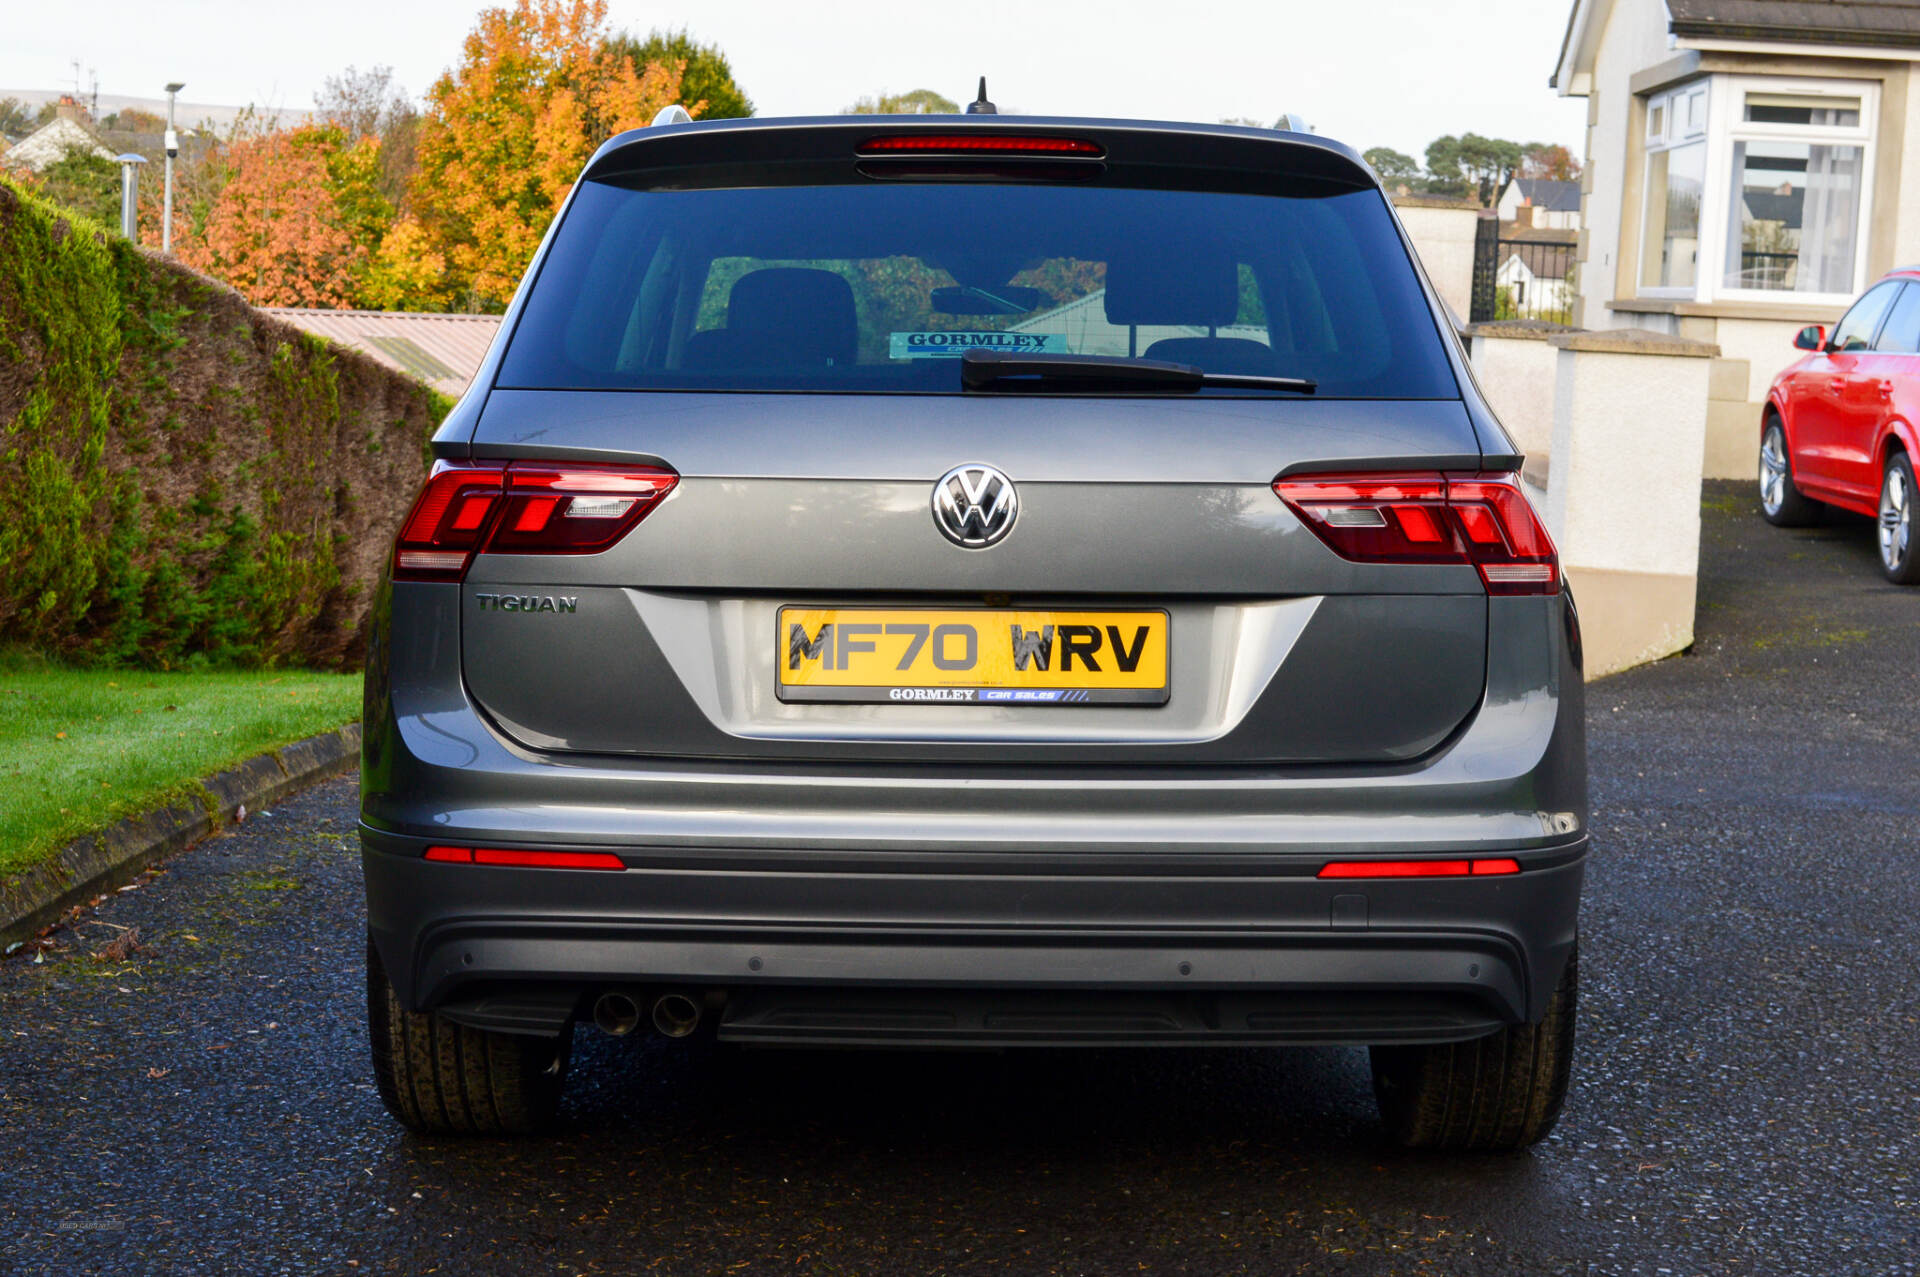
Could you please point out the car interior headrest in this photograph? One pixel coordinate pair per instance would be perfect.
(808, 315)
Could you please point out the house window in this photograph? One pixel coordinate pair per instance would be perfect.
(1675, 189)
(1798, 179)
(1760, 196)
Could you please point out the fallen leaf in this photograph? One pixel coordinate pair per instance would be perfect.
(157, 1074)
(59, 735)
(121, 947)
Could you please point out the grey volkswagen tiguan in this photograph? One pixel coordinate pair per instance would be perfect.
(976, 581)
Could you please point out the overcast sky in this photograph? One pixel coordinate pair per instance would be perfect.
(1370, 72)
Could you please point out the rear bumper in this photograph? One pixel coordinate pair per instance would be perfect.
(1058, 950)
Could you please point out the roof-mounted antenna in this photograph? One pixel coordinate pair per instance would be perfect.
(980, 105)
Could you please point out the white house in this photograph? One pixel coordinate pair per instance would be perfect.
(1751, 166)
(1550, 203)
(50, 143)
(1533, 279)
(1084, 323)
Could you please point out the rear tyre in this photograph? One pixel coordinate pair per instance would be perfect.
(1494, 1094)
(441, 1078)
(1780, 501)
(1899, 557)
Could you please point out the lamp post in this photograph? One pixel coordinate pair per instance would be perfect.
(130, 163)
(172, 149)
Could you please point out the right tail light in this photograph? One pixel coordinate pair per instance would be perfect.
(521, 507)
(1430, 517)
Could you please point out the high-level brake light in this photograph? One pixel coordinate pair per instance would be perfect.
(1429, 517)
(523, 507)
(999, 143)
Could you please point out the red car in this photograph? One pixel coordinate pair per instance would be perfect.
(1839, 423)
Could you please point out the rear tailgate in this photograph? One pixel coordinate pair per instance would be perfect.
(1279, 649)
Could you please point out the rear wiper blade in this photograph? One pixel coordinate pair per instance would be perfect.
(987, 369)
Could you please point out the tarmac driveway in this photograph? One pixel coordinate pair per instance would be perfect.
(1747, 1095)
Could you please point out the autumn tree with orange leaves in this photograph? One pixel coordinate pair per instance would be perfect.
(297, 218)
(505, 134)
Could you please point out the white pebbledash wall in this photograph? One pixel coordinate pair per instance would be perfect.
(1623, 499)
(1442, 232)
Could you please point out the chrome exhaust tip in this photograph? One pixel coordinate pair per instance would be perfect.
(675, 1015)
(617, 1014)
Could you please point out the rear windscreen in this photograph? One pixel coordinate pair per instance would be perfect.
(880, 287)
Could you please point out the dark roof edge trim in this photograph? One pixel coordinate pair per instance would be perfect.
(1784, 34)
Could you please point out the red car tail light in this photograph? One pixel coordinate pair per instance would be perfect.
(521, 508)
(1418, 868)
(448, 522)
(1428, 517)
(574, 509)
(524, 859)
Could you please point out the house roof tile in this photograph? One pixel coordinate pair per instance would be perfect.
(1859, 22)
(50, 143)
(1550, 194)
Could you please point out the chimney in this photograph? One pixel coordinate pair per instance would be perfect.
(1523, 214)
(68, 109)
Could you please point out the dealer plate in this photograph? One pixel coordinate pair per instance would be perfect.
(972, 656)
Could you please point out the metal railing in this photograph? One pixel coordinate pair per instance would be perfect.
(1521, 278)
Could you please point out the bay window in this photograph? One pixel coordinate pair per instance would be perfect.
(1756, 189)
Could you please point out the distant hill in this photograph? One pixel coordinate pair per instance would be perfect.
(187, 115)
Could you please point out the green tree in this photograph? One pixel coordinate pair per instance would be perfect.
(915, 102)
(1474, 165)
(16, 120)
(1392, 165)
(84, 182)
(708, 77)
(372, 104)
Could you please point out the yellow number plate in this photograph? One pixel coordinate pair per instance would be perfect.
(976, 656)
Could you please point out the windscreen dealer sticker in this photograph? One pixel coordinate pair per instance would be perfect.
(953, 345)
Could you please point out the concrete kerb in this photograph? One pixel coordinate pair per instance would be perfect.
(100, 862)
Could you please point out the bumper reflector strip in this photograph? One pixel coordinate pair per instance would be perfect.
(1419, 868)
(525, 859)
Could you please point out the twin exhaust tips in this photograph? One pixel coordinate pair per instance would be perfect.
(675, 1015)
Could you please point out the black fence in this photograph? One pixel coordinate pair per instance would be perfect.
(1521, 278)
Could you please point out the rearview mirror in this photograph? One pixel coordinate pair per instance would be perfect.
(1008, 299)
(1812, 337)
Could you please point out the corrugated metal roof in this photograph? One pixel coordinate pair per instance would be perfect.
(442, 350)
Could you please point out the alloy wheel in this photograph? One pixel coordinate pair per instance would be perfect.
(1773, 471)
(1896, 517)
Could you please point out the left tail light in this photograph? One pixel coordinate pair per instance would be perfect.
(521, 507)
(1429, 517)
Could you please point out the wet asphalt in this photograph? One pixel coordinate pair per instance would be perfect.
(1746, 1096)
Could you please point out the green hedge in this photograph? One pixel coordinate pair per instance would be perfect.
(184, 480)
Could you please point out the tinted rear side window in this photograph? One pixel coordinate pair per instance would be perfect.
(876, 287)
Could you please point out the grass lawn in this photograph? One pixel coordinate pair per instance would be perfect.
(81, 748)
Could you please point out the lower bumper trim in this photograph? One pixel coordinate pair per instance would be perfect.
(933, 1018)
